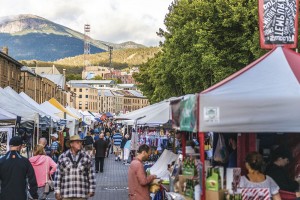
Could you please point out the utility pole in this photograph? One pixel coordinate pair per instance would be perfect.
(110, 51)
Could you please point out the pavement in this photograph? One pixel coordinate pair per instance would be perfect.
(112, 183)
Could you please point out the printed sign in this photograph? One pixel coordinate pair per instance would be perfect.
(211, 114)
(278, 23)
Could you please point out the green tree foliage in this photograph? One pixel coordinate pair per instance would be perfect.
(117, 80)
(73, 77)
(205, 42)
(98, 77)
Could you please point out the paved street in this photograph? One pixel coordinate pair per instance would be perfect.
(112, 184)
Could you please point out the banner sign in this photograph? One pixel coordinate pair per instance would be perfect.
(188, 116)
(278, 23)
(176, 111)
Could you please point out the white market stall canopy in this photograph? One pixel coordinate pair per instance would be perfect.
(155, 114)
(262, 97)
(38, 106)
(13, 94)
(17, 108)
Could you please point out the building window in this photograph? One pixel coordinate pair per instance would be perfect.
(87, 96)
(80, 96)
(74, 89)
(80, 90)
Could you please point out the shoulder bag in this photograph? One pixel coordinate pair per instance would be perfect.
(49, 186)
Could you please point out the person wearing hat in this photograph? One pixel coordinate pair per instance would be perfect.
(280, 158)
(15, 170)
(75, 175)
(55, 147)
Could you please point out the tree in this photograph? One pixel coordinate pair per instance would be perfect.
(73, 77)
(205, 42)
(98, 77)
(117, 80)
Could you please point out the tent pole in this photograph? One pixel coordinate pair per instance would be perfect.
(202, 158)
(50, 130)
(201, 136)
(37, 129)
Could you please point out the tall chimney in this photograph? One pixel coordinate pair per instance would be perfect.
(64, 72)
(5, 50)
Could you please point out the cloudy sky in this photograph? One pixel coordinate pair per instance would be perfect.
(113, 21)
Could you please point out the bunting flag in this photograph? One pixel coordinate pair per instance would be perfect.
(278, 23)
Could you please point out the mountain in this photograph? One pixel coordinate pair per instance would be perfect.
(31, 37)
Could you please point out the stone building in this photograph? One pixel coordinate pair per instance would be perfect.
(10, 71)
(86, 97)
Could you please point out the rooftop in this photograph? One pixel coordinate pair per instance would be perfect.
(92, 81)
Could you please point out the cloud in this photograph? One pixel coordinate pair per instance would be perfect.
(111, 20)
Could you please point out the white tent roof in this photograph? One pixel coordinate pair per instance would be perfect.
(262, 97)
(52, 109)
(55, 111)
(158, 113)
(37, 106)
(4, 115)
(74, 111)
(12, 105)
(13, 94)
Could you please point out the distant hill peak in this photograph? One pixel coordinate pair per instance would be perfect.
(18, 17)
(28, 35)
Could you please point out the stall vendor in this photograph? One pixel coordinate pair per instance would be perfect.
(280, 158)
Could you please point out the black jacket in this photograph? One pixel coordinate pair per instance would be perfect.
(14, 170)
(280, 176)
(100, 147)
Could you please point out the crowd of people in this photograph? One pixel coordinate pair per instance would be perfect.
(73, 161)
(69, 162)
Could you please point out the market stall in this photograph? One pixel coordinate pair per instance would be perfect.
(7, 125)
(263, 97)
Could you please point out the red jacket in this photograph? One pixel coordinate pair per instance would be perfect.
(138, 182)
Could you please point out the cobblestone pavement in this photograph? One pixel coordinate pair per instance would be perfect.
(112, 183)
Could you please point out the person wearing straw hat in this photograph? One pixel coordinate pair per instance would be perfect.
(75, 175)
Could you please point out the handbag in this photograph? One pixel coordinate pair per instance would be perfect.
(49, 186)
(221, 153)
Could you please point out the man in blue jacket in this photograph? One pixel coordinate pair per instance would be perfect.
(14, 172)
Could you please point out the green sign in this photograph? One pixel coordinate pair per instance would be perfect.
(188, 116)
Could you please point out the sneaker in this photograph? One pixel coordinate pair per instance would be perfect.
(96, 171)
(127, 164)
(119, 158)
(116, 159)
